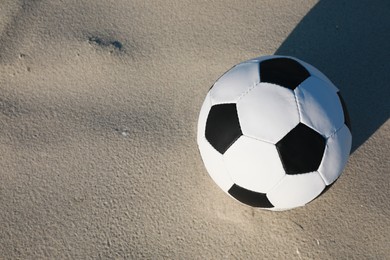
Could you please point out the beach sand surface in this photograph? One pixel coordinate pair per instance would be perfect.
(99, 102)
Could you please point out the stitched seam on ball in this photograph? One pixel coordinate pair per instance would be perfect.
(335, 132)
(276, 184)
(223, 163)
(323, 157)
(258, 139)
(338, 90)
(227, 171)
(296, 103)
(247, 91)
(326, 147)
(323, 180)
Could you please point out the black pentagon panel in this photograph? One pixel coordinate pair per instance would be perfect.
(222, 126)
(347, 120)
(301, 150)
(284, 72)
(251, 198)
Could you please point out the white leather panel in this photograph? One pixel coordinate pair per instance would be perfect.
(268, 112)
(215, 166)
(253, 164)
(234, 83)
(336, 155)
(319, 106)
(296, 190)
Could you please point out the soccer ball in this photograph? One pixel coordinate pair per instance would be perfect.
(274, 132)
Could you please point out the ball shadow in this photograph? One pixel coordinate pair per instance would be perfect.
(349, 42)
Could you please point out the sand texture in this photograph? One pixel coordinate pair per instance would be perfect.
(99, 102)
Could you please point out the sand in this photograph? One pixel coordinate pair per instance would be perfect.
(98, 110)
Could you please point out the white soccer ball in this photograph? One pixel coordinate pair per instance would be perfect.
(274, 132)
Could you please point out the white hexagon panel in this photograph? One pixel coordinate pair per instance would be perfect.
(215, 165)
(232, 84)
(296, 190)
(254, 164)
(267, 112)
(319, 106)
(336, 155)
